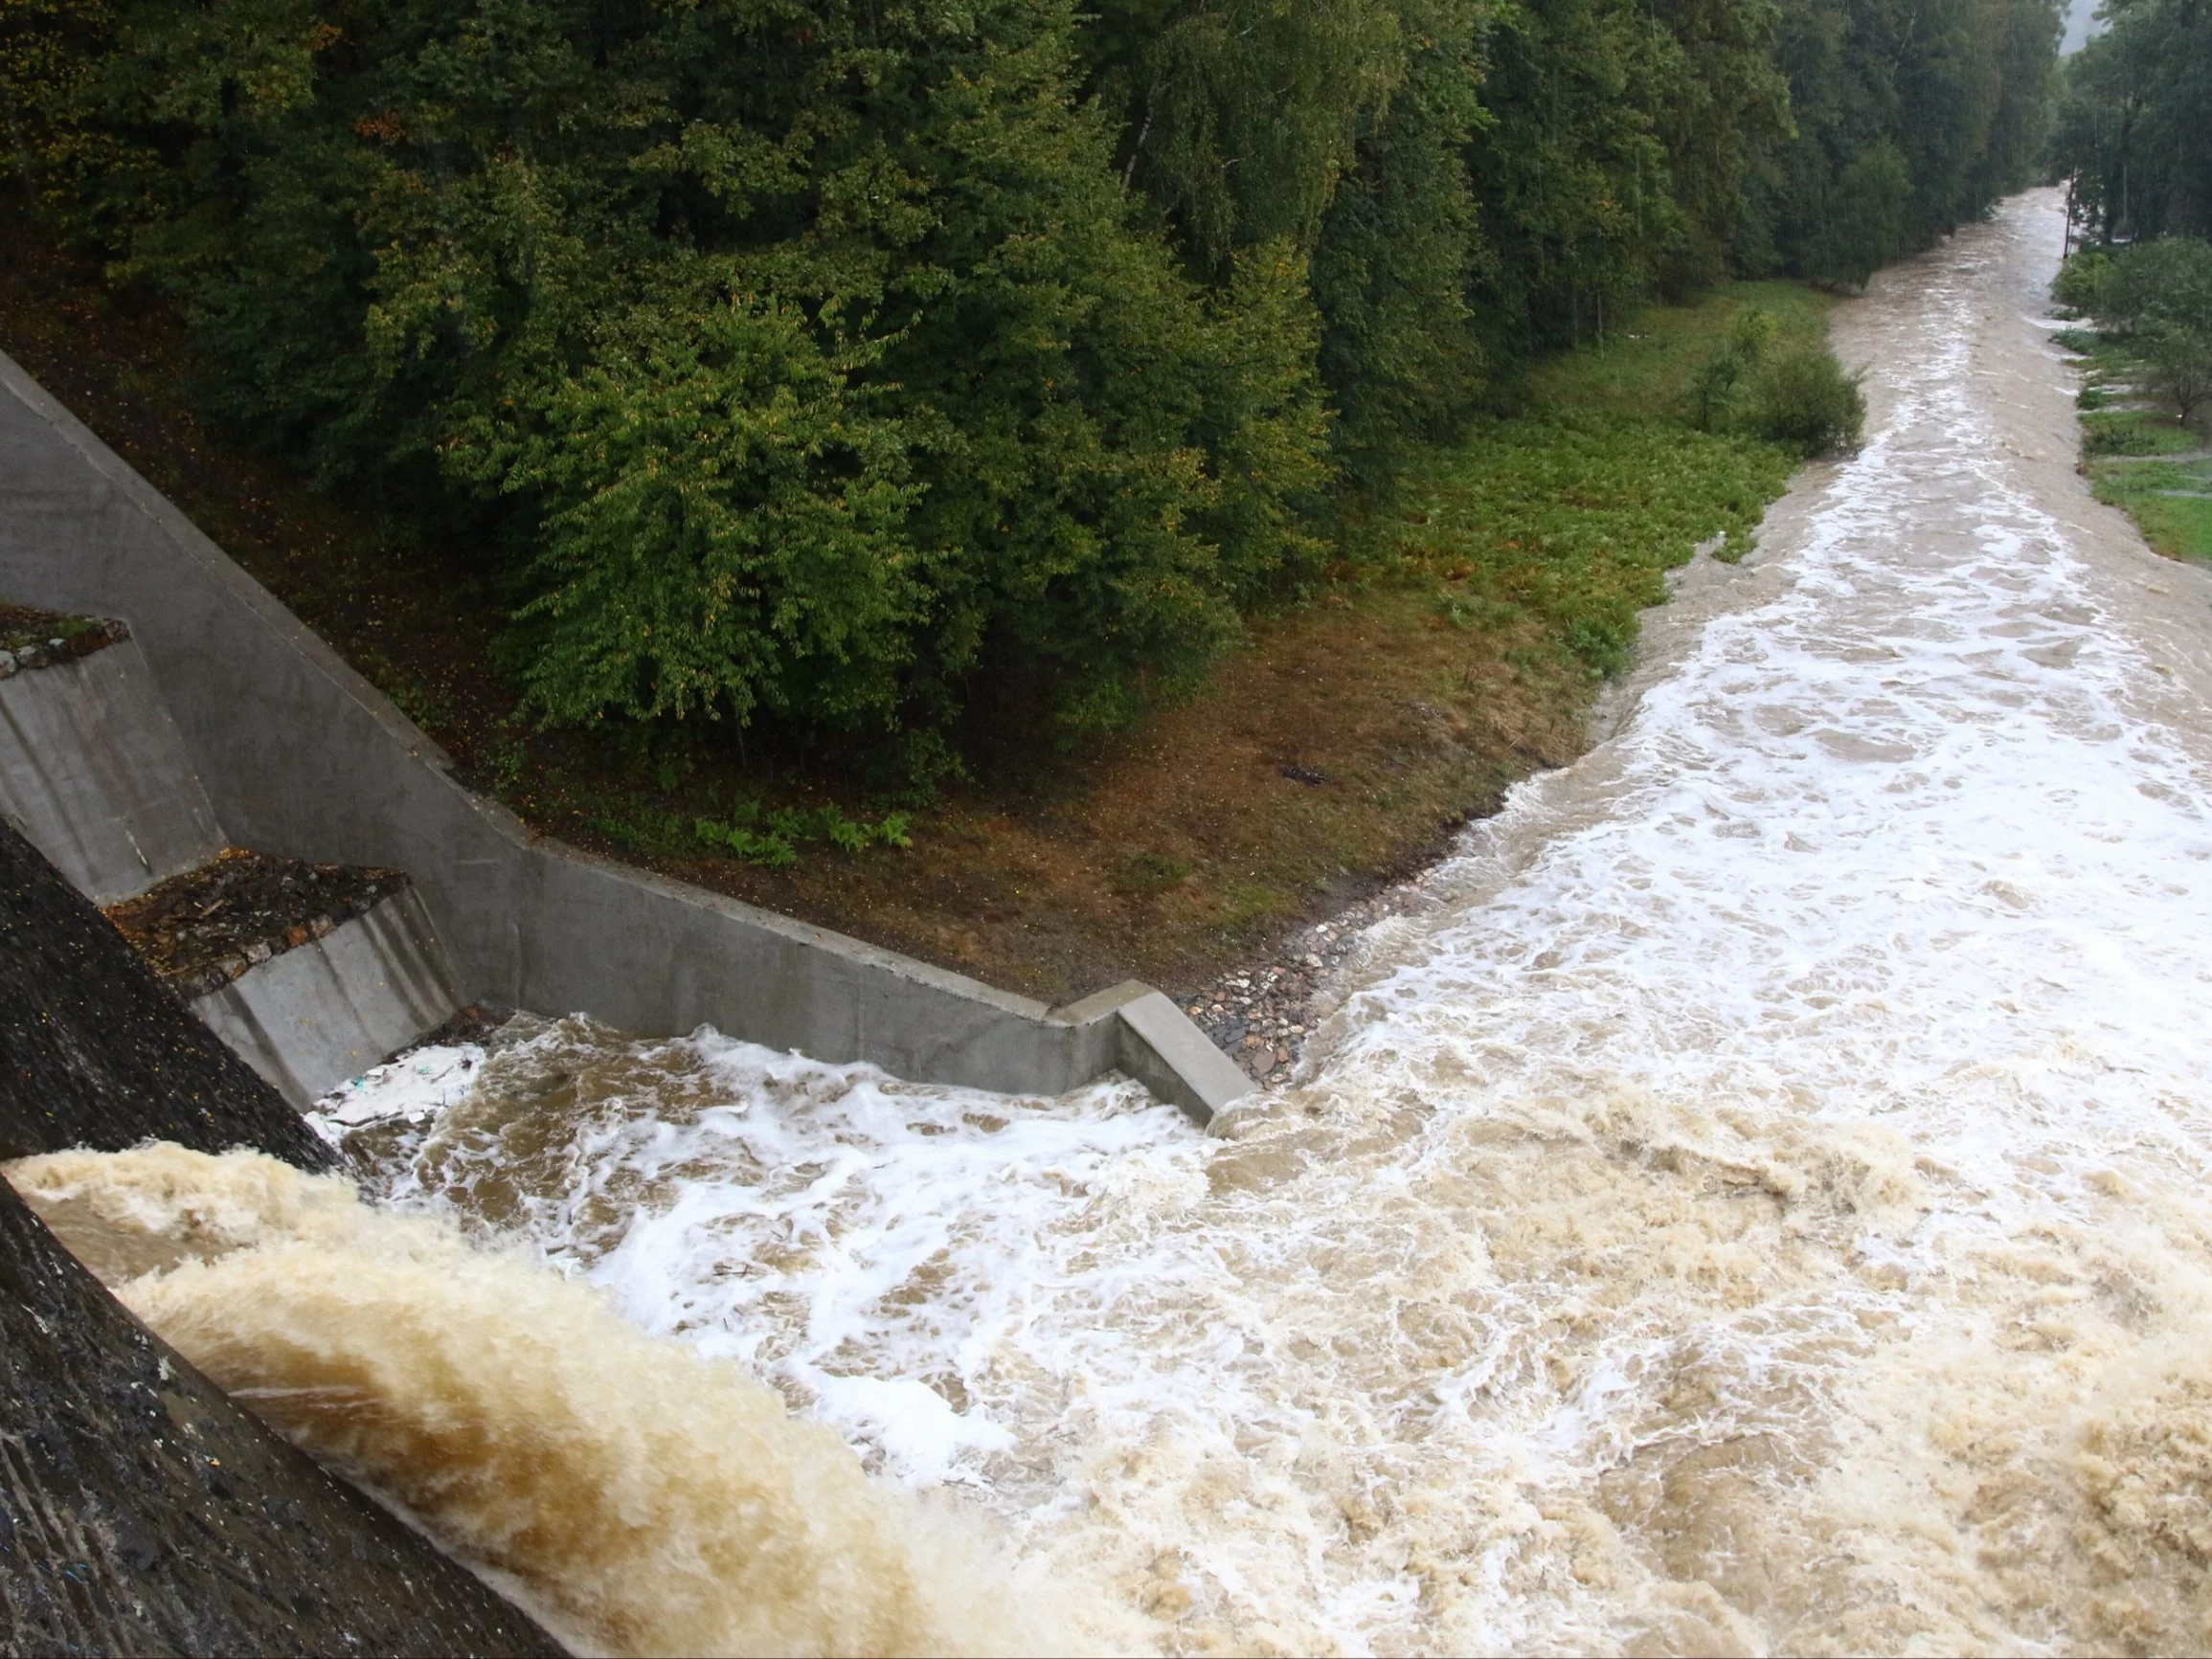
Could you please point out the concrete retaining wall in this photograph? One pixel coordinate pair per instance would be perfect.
(93, 773)
(302, 757)
(314, 1016)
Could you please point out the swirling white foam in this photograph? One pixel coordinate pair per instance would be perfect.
(1760, 1204)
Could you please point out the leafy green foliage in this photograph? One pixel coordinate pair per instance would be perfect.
(2154, 301)
(2080, 286)
(2130, 132)
(1791, 393)
(810, 358)
(872, 369)
(1573, 521)
(1806, 402)
(747, 830)
(772, 838)
(2180, 360)
(1911, 116)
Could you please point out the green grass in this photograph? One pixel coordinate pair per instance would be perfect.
(2140, 458)
(2178, 525)
(2134, 432)
(1571, 518)
(1645, 369)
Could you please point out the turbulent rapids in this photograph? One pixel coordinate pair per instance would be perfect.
(1758, 1201)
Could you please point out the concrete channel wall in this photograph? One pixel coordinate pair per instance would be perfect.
(300, 756)
(92, 769)
(313, 1015)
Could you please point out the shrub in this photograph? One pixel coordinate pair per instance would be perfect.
(1713, 389)
(2179, 364)
(2082, 283)
(2165, 283)
(1806, 401)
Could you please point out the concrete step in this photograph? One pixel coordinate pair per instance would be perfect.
(92, 771)
(310, 972)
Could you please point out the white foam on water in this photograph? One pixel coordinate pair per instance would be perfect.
(1760, 1206)
(417, 1086)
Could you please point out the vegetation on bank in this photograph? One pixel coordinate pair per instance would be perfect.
(895, 381)
(1337, 749)
(2130, 133)
(2147, 383)
(1062, 492)
(2132, 141)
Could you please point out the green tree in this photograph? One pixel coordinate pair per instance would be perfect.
(2131, 130)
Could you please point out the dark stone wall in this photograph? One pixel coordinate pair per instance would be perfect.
(96, 1052)
(142, 1512)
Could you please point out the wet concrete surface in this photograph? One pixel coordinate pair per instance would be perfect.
(141, 1511)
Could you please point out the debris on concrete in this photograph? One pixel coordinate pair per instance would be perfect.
(30, 639)
(202, 929)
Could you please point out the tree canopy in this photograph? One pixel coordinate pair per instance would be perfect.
(2129, 129)
(852, 365)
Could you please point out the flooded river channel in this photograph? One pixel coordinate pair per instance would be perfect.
(1761, 1200)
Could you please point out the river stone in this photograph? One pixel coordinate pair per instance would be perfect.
(96, 1052)
(142, 1512)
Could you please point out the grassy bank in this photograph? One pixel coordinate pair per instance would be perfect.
(1459, 653)
(2137, 456)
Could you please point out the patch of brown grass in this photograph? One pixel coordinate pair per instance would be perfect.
(1199, 838)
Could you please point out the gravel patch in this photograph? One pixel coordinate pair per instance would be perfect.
(1261, 1013)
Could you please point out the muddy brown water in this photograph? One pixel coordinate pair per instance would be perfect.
(1757, 1204)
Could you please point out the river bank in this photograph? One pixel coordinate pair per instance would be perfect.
(2135, 453)
(1755, 1206)
(1334, 757)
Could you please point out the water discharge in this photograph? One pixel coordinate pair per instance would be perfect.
(1757, 1203)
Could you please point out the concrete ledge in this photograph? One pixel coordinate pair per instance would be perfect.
(323, 1012)
(1148, 1038)
(93, 774)
(300, 756)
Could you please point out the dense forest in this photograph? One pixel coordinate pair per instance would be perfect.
(864, 367)
(2131, 132)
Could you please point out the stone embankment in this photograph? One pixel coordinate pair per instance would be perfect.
(1260, 1015)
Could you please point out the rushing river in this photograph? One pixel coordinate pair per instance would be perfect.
(1759, 1202)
